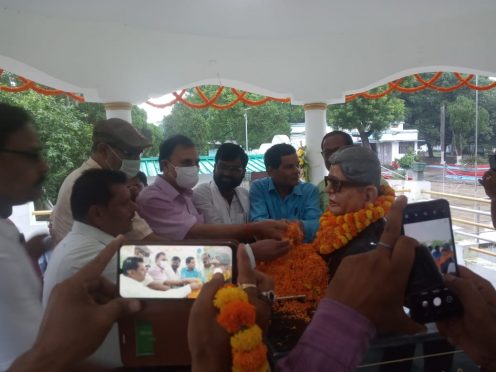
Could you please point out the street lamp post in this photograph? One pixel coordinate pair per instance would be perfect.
(246, 127)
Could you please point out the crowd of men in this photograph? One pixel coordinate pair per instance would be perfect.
(56, 322)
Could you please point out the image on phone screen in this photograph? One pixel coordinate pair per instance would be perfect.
(435, 235)
(171, 271)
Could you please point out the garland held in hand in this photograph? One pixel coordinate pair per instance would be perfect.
(237, 316)
(337, 231)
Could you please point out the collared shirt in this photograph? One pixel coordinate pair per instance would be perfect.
(187, 274)
(133, 289)
(161, 274)
(62, 215)
(168, 212)
(20, 293)
(316, 351)
(215, 208)
(80, 246)
(323, 196)
(301, 204)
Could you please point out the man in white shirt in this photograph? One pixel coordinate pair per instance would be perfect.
(117, 145)
(134, 283)
(223, 201)
(102, 208)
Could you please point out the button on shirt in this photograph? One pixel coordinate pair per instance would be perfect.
(80, 246)
(20, 293)
(215, 208)
(302, 204)
(168, 212)
(62, 215)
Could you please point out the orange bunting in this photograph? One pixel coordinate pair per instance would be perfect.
(29, 84)
(424, 84)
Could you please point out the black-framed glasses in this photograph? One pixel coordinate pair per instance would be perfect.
(33, 156)
(336, 184)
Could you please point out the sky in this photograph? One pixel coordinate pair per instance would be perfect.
(155, 115)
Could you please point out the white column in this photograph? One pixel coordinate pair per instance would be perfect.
(120, 110)
(315, 129)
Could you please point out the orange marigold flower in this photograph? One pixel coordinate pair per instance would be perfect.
(236, 314)
(250, 360)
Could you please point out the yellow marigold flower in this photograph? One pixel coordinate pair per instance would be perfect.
(369, 214)
(229, 294)
(247, 339)
(346, 227)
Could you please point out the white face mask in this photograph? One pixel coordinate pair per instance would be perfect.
(187, 177)
(129, 167)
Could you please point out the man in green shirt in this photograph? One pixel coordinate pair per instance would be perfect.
(331, 142)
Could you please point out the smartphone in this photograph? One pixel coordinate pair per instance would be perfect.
(172, 270)
(492, 162)
(430, 224)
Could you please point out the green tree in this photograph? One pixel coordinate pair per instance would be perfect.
(368, 116)
(462, 117)
(63, 132)
(153, 132)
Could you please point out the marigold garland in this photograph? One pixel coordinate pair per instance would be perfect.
(337, 231)
(246, 339)
(237, 316)
(302, 271)
(228, 294)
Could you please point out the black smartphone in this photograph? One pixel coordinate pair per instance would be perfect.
(492, 162)
(430, 224)
(172, 270)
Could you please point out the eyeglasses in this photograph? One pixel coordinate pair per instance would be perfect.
(33, 156)
(336, 184)
(232, 169)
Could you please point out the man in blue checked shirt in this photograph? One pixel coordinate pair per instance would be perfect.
(282, 196)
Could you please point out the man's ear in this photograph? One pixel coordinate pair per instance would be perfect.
(371, 193)
(94, 215)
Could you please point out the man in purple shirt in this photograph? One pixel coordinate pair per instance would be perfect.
(168, 208)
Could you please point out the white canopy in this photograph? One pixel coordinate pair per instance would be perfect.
(311, 51)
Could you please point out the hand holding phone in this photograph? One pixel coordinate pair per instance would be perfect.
(427, 297)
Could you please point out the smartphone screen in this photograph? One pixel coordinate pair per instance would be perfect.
(430, 224)
(171, 271)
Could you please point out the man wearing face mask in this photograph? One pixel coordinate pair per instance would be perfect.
(117, 145)
(223, 200)
(168, 207)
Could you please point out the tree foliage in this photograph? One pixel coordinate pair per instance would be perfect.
(367, 116)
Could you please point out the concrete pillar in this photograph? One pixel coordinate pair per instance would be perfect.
(121, 110)
(315, 129)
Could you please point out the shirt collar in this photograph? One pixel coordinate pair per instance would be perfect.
(297, 190)
(92, 232)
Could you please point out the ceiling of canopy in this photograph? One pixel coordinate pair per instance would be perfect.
(311, 51)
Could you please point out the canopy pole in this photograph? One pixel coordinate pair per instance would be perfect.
(120, 110)
(315, 129)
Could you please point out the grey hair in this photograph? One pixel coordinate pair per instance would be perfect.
(358, 164)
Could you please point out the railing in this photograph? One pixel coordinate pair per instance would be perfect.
(42, 213)
(461, 197)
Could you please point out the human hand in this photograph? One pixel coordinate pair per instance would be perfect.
(269, 249)
(208, 341)
(488, 181)
(270, 229)
(80, 312)
(37, 245)
(374, 283)
(475, 330)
